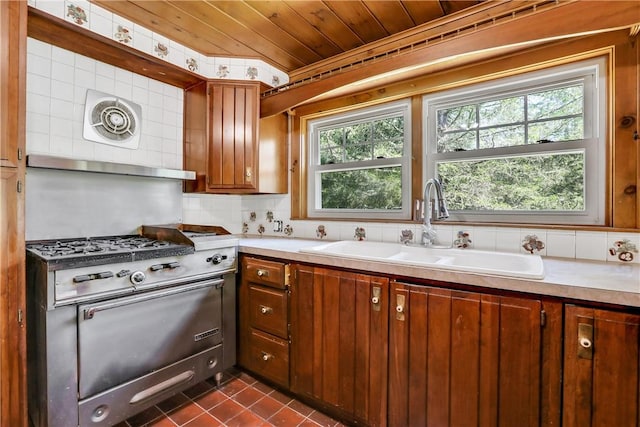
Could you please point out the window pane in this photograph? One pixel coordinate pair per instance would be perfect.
(568, 129)
(358, 134)
(502, 111)
(389, 128)
(556, 103)
(379, 188)
(550, 182)
(388, 149)
(357, 152)
(457, 118)
(502, 136)
(457, 141)
(331, 144)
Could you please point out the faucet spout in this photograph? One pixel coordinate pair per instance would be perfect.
(440, 209)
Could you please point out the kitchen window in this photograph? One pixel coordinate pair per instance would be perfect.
(359, 164)
(526, 149)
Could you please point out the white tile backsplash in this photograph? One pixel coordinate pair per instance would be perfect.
(205, 208)
(561, 243)
(56, 96)
(591, 245)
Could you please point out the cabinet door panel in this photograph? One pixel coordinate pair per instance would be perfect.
(462, 358)
(339, 341)
(233, 132)
(601, 389)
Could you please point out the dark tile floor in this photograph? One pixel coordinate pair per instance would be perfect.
(241, 400)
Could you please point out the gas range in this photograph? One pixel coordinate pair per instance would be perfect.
(120, 323)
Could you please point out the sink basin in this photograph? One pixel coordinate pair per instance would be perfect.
(469, 260)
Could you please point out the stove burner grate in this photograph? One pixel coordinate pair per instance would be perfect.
(97, 245)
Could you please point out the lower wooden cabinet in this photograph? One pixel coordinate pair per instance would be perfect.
(263, 324)
(339, 341)
(374, 351)
(601, 368)
(464, 359)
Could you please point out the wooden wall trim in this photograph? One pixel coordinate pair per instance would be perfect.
(565, 20)
(625, 152)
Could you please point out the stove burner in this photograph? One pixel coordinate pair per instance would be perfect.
(97, 245)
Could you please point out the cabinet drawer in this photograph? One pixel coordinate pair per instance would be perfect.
(268, 310)
(269, 357)
(268, 273)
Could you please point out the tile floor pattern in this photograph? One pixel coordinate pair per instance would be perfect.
(240, 401)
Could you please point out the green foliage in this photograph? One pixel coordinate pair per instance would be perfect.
(378, 188)
(382, 138)
(552, 115)
(543, 182)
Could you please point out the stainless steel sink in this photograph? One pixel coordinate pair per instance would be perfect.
(468, 260)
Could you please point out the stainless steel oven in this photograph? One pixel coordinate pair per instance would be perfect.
(115, 331)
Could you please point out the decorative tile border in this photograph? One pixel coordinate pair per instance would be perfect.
(100, 21)
(567, 243)
(531, 243)
(463, 240)
(623, 250)
(76, 14)
(360, 233)
(406, 236)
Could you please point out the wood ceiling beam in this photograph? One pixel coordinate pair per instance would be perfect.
(562, 20)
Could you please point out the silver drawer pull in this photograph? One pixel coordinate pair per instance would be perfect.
(263, 273)
(266, 310)
(266, 356)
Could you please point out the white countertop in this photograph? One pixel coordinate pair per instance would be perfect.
(605, 282)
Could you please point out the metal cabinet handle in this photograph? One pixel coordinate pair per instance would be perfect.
(266, 356)
(375, 298)
(266, 310)
(400, 303)
(585, 341)
(262, 273)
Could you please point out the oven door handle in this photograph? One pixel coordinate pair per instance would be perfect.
(91, 311)
(152, 391)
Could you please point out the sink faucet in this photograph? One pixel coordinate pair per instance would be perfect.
(441, 212)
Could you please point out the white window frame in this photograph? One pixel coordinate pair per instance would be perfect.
(315, 170)
(593, 73)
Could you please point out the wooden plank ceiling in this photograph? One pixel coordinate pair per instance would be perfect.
(286, 34)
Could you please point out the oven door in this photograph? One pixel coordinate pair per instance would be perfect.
(124, 338)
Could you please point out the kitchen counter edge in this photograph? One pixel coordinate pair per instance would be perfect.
(590, 281)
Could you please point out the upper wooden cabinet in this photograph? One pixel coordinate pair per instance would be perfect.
(226, 143)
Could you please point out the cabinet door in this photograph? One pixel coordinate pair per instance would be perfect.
(339, 347)
(463, 359)
(233, 131)
(601, 368)
(13, 39)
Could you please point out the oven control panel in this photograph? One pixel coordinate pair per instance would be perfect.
(102, 281)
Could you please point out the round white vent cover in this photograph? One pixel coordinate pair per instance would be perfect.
(111, 120)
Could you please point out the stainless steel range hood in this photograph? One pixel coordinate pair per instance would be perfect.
(63, 163)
